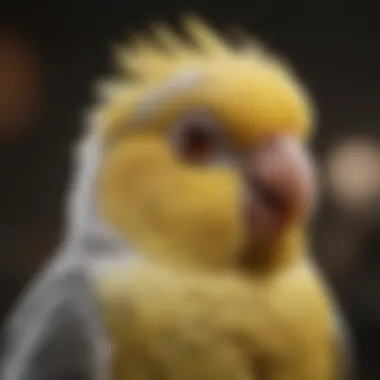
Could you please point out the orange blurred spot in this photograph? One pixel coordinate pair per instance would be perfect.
(20, 84)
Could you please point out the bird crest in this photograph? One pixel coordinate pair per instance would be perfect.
(149, 61)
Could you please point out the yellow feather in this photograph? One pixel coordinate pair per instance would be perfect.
(204, 37)
(247, 44)
(170, 40)
(150, 60)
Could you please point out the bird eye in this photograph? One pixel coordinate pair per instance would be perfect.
(198, 139)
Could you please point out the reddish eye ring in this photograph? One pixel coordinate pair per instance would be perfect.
(197, 139)
(196, 143)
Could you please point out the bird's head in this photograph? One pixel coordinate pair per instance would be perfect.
(205, 149)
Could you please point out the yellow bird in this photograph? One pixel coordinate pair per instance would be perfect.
(203, 173)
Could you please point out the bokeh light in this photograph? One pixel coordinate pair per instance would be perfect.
(20, 84)
(353, 173)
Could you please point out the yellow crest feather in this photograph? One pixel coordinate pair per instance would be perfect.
(149, 60)
(151, 64)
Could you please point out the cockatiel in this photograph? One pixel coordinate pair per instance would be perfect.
(186, 255)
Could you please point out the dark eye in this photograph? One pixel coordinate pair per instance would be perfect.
(198, 140)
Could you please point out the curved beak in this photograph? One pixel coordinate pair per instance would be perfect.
(279, 177)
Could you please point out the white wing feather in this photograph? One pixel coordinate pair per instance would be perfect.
(55, 332)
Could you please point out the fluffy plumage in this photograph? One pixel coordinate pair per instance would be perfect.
(193, 310)
(199, 296)
(250, 95)
(245, 67)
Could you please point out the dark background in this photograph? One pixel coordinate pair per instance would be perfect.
(334, 46)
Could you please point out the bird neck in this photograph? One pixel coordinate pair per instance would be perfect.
(288, 249)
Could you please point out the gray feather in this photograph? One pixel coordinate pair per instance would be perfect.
(63, 340)
(55, 331)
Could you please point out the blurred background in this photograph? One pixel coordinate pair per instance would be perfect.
(50, 53)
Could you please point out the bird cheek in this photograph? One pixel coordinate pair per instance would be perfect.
(133, 177)
(220, 201)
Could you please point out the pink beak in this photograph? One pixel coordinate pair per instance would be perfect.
(279, 175)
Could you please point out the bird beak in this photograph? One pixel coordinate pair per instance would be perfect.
(280, 185)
